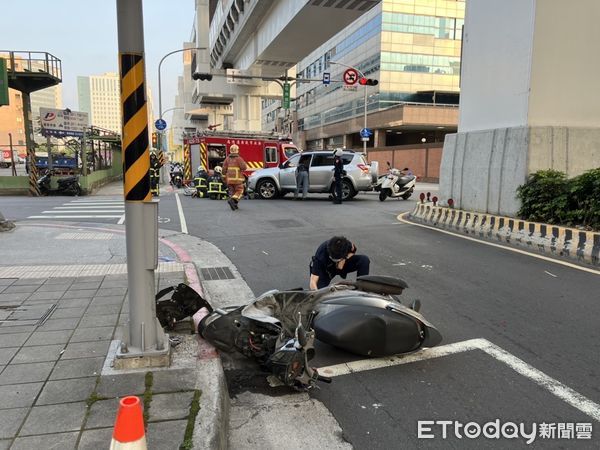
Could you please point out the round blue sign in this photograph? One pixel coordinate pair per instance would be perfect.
(160, 124)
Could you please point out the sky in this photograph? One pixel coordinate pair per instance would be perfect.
(83, 35)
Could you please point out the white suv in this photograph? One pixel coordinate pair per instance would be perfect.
(278, 181)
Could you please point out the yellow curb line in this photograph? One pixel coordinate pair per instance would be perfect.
(400, 218)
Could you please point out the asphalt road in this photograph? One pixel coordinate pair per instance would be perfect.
(543, 313)
(540, 312)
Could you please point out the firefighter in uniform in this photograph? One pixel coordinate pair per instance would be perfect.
(155, 166)
(233, 167)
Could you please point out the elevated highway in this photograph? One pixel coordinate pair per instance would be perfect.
(274, 35)
(262, 38)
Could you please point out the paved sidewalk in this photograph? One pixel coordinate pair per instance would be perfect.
(58, 316)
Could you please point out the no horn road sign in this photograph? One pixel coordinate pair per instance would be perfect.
(350, 77)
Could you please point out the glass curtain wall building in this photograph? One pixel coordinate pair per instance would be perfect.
(412, 47)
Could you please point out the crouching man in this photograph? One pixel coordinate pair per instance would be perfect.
(337, 256)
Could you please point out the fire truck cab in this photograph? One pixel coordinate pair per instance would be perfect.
(259, 150)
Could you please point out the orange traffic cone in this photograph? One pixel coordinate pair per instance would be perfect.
(129, 427)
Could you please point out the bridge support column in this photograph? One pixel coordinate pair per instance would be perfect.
(378, 138)
(247, 113)
(520, 110)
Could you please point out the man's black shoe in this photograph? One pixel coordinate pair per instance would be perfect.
(231, 204)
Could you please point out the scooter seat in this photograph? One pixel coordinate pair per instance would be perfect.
(405, 179)
(380, 284)
(67, 180)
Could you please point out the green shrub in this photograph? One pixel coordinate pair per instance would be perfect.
(548, 196)
(584, 199)
(544, 197)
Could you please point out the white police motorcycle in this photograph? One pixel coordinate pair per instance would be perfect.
(395, 184)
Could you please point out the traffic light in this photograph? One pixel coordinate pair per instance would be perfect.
(368, 82)
(154, 139)
(202, 76)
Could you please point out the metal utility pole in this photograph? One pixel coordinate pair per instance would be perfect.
(12, 156)
(146, 344)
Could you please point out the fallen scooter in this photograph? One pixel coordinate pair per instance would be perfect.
(395, 184)
(278, 329)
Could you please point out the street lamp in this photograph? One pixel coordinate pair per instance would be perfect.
(160, 111)
(159, 80)
(363, 76)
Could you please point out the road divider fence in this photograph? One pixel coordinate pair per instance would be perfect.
(571, 243)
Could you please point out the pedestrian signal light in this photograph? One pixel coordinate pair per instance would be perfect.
(202, 76)
(154, 139)
(368, 82)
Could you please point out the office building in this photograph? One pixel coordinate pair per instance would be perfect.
(100, 97)
(412, 47)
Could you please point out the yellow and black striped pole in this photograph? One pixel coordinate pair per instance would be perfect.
(146, 344)
(204, 156)
(187, 162)
(136, 154)
(34, 189)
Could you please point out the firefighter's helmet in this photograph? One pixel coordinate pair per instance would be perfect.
(234, 149)
(218, 169)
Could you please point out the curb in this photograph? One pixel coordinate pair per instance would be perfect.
(571, 243)
(211, 432)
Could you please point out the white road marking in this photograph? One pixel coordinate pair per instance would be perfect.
(83, 207)
(551, 274)
(73, 217)
(510, 249)
(95, 200)
(555, 387)
(378, 363)
(265, 252)
(93, 203)
(181, 216)
(121, 220)
(86, 211)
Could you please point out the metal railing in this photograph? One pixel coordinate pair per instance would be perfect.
(32, 62)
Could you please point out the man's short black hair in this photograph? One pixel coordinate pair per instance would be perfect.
(339, 247)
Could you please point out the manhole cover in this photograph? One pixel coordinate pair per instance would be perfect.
(216, 273)
(286, 223)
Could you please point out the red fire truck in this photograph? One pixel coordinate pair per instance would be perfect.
(259, 150)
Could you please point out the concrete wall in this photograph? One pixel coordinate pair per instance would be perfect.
(423, 161)
(565, 67)
(570, 150)
(14, 185)
(481, 170)
(496, 62)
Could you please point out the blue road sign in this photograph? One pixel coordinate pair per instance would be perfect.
(366, 132)
(326, 78)
(160, 124)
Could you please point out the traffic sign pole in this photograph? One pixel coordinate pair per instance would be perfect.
(145, 344)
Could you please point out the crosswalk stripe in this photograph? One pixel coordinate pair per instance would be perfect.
(89, 206)
(75, 217)
(93, 203)
(84, 212)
